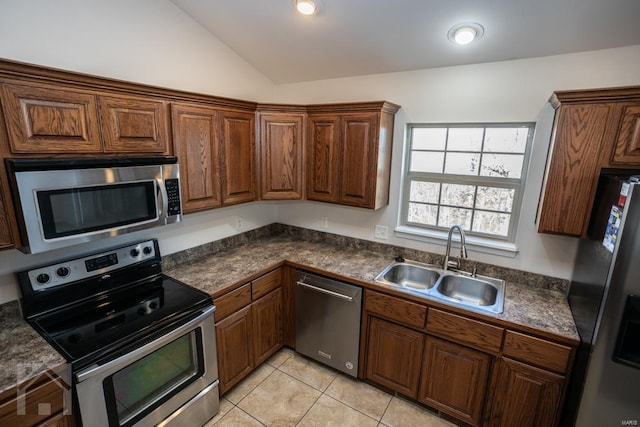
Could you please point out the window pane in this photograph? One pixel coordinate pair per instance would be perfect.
(428, 138)
(424, 191)
(462, 163)
(502, 165)
(491, 223)
(458, 195)
(423, 214)
(506, 140)
(426, 162)
(465, 139)
(450, 216)
(496, 199)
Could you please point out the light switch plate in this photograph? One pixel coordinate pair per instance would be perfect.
(324, 222)
(381, 232)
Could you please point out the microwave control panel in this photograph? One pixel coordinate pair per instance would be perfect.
(101, 264)
(173, 195)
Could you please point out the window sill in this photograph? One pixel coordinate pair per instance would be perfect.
(474, 243)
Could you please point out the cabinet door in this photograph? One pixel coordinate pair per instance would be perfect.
(454, 379)
(358, 154)
(281, 139)
(627, 148)
(50, 119)
(574, 167)
(195, 139)
(238, 169)
(5, 234)
(524, 395)
(393, 356)
(134, 125)
(234, 340)
(322, 158)
(267, 325)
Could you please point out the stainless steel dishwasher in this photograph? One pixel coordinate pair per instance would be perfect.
(328, 321)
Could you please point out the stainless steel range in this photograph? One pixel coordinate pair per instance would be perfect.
(141, 345)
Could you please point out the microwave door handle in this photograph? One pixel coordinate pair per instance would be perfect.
(163, 199)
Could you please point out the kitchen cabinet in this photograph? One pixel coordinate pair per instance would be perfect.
(196, 144)
(249, 327)
(593, 129)
(524, 395)
(349, 153)
(280, 148)
(47, 118)
(5, 233)
(134, 124)
(454, 380)
(238, 157)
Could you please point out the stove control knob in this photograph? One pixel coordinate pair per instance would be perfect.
(135, 252)
(147, 250)
(42, 278)
(62, 272)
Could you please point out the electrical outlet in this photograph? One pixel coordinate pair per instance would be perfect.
(381, 232)
(239, 223)
(324, 222)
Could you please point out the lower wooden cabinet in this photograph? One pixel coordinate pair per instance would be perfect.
(524, 395)
(234, 340)
(394, 354)
(267, 326)
(454, 379)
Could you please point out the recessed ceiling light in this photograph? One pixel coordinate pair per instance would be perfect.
(306, 7)
(465, 33)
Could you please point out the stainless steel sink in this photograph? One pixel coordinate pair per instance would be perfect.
(410, 275)
(458, 288)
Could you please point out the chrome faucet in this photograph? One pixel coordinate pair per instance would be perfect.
(463, 249)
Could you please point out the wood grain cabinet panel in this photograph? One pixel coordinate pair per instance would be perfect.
(322, 158)
(627, 146)
(524, 395)
(134, 125)
(394, 354)
(50, 119)
(6, 241)
(536, 351)
(454, 380)
(234, 340)
(232, 301)
(280, 154)
(397, 309)
(238, 157)
(358, 162)
(196, 144)
(465, 331)
(267, 326)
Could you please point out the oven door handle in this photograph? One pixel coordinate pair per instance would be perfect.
(114, 365)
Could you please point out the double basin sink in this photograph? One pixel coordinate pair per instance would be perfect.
(475, 292)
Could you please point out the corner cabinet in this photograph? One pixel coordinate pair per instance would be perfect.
(349, 153)
(593, 129)
(238, 156)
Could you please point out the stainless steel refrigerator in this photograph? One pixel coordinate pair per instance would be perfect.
(605, 301)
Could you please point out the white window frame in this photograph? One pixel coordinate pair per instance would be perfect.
(482, 242)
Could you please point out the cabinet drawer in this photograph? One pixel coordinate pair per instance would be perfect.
(536, 351)
(465, 331)
(232, 302)
(265, 284)
(406, 312)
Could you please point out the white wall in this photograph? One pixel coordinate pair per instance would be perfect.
(493, 92)
(145, 41)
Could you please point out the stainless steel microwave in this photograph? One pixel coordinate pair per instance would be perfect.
(64, 202)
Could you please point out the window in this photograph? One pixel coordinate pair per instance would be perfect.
(471, 175)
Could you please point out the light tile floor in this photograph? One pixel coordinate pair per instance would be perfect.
(291, 390)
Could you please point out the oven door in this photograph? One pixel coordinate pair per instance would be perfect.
(171, 380)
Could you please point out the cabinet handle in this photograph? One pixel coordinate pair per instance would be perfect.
(324, 291)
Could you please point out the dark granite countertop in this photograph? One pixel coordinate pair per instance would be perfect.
(528, 307)
(24, 353)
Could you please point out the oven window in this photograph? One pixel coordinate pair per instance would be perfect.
(83, 210)
(146, 383)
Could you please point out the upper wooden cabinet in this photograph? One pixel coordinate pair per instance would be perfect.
(196, 144)
(280, 147)
(134, 124)
(50, 119)
(238, 157)
(593, 129)
(349, 153)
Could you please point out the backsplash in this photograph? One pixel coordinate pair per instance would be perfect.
(510, 275)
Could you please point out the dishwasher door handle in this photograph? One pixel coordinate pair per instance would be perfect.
(324, 291)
